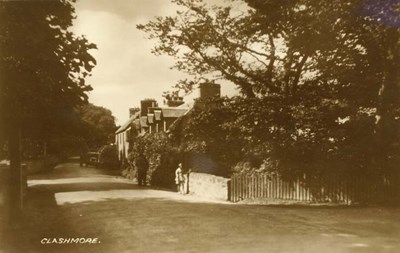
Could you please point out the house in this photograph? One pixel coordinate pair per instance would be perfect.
(151, 118)
(122, 135)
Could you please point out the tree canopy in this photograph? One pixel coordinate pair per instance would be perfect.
(98, 125)
(320, 79)
(43, 65)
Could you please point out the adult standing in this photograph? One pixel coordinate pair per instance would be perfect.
(142, 166)
(179, 179)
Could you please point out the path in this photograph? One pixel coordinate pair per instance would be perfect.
(74, 202)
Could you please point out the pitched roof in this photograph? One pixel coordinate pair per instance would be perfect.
(188, 105)
(173, 112)
(128, 123)
(156, 113)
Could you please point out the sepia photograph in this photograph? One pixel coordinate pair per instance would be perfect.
(201, 126)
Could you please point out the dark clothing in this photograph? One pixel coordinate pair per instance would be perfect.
(142, 177)
(141, 162)
(142, 166)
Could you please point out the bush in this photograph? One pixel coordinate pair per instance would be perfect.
(161, 155)
(109, 157)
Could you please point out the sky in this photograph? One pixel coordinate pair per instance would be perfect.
(126, 70)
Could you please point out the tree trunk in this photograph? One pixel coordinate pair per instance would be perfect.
(15, 175)
(45, 149)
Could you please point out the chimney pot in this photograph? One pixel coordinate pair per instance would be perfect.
(133, 110)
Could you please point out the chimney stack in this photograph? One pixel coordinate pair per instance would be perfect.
(209, 90)
(173, 100)
(132, 111)
(146, 104)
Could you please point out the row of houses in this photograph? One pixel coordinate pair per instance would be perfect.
(152, 118)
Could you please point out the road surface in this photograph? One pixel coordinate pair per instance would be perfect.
(97, 212)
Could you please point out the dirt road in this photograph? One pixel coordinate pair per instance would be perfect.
(118, 216)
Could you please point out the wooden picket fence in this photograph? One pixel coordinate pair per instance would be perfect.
(335, 188)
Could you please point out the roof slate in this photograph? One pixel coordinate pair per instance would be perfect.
(128, 123)
(156, 113)
(173, 112)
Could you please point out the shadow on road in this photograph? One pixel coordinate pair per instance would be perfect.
(74, 202)
(41, 217)
(90, 186)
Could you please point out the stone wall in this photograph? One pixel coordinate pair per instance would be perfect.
(208, 186)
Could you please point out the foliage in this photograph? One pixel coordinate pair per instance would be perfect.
(98, 125)
(91, 127)
(109, 157)
(320, 81)
(43, 66)
(161, 155)
(207, 132)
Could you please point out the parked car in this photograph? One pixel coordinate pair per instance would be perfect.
(90, 158)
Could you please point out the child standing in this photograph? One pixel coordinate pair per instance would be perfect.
(179, 180)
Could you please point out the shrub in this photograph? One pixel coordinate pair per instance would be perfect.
(161, 155)
(109, 157)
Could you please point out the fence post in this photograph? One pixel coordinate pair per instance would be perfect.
(243, 189)
(246, 185)
(279, 187)
(232, 188)
(253, 185)
(236, 188)
(248, 188)
(265, 185)
(239, 187)
(262, 186)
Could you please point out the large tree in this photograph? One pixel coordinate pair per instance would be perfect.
(321, 78)
(354, 48)
(43, 66)
(98, 125)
